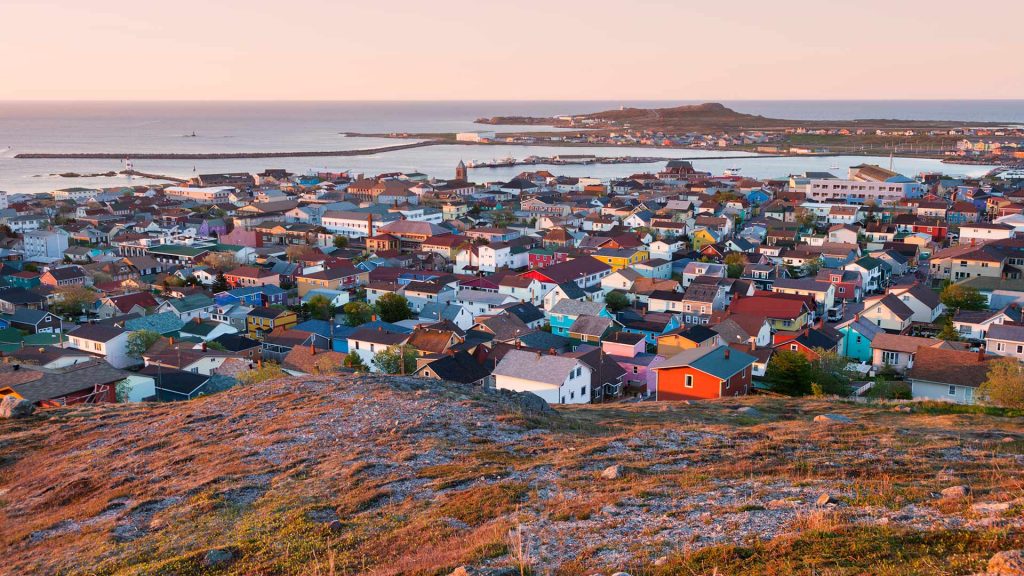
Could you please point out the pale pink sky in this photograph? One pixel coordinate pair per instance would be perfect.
(523, 49)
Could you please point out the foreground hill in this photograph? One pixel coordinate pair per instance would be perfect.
(377, 475)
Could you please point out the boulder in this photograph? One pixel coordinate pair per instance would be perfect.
(748, 411)
(1007, 563)
(825, 499)
(955, 492)
(612, 472)
(530, 403)
(990, 508)
(218, 557)
(460, 571)
(661, 561)
(832, 419)
(335, 526)
(11, 407)
(902, 408)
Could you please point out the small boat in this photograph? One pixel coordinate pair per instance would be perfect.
(732, 171)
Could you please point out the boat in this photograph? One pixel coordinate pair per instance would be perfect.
(732, 171)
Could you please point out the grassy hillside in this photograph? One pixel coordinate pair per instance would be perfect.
(374, 475)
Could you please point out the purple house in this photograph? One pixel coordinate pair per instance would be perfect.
(629, 350)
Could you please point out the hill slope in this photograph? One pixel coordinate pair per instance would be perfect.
(378, 475)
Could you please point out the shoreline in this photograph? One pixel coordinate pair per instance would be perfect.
(216, 155)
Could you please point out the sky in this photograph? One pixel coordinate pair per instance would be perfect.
(522, 50)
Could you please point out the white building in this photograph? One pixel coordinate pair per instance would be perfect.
(109, 342)
(45, 245)
(556, 379)
(208, 195)
(76, 194)
(476, 136)
(860, 192)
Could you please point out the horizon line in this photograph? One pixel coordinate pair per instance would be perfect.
(432, 100)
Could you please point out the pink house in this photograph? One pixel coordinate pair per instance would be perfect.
(630, 352)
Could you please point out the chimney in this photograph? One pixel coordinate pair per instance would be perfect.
(204, 346)
(551, 351)
(259, 361)
(519, 344)
(312, 348)
(171, 340)
(981, 353)
(727, 352)
(753, 343)
(373, 318)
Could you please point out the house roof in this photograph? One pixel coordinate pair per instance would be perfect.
(161, 323)
(894, 304)
(569, 307)
(126, 302)
(945, 366)
(535, 366)
(1006, 332)
(721, 361)
(173, 380)
(901, 343)
(458, 367)
(38, 384)
(590, 325)
(97, 332)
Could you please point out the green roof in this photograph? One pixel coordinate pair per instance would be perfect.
(176, 250)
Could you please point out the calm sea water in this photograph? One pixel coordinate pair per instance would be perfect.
(260, 126)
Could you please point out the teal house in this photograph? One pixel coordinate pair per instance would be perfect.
(858, 334)
(566, 311)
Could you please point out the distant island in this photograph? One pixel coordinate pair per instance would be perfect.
(707, 117)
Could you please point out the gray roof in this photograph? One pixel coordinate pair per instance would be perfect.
(527, 365)
(590, 325)
(577, 308)
(1006, 332)
(57, 383)
(161, 323)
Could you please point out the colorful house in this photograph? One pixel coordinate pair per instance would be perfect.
(629, 351)
(858, 334)
(621, 258)
(262, 321)
(703, 374)
(702, 237)
(564, 313)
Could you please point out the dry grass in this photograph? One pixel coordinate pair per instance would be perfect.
(265, 472)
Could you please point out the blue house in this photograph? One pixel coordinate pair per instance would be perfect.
(565, 312)
(257, 296)
(650, 326)
(758, 196)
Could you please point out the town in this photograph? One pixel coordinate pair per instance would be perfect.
(674, 285)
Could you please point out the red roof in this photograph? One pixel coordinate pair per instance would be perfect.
(128, 301)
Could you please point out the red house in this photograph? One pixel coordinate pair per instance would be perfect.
(704, 374)
(934, 227)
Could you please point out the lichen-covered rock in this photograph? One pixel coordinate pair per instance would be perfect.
(1008, 563)
(12, 407)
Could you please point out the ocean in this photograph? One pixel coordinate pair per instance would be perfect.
(137, 127)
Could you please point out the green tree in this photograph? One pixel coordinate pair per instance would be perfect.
(192, 281)
(789, 372)
(828, 372)
(396, 360)
(735, 262)
(355, 362)
(959, 297)
(357, 313)
(340, 242)
(1005, 384)
(320, 308)
(948, 332)
(220, 284)
(140, 341)
(75, 299)
(393, 308)
(616, 301)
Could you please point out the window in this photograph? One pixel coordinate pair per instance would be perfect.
(999, 346)
(583, 391)
(890, 357)
(688, 381)
(794, 347)
(636, 370)
(952, 391)
(572, 395)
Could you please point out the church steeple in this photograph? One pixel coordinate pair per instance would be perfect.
(460, 171)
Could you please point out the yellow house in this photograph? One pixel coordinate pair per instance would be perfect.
(621, 257)
(703, 237)
(341, 278)
(695, 336)
(262, 321)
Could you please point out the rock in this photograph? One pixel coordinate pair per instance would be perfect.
(530, 403)
(661, 561)
(620, 574)
(902, 408)
(1008, 439)
(335, 526)
(612, 472)
(778, 504)
(990, 507)
(12, 407)
(832, 419)
(460, 571)
(955, 492)
(824, 500)
(218, 557)
(1007, 563)
(749, 411)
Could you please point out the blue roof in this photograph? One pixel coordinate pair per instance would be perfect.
(320, 327)
(901, 179)
(162, 323)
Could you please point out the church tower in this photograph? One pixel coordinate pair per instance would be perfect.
(460, 171)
